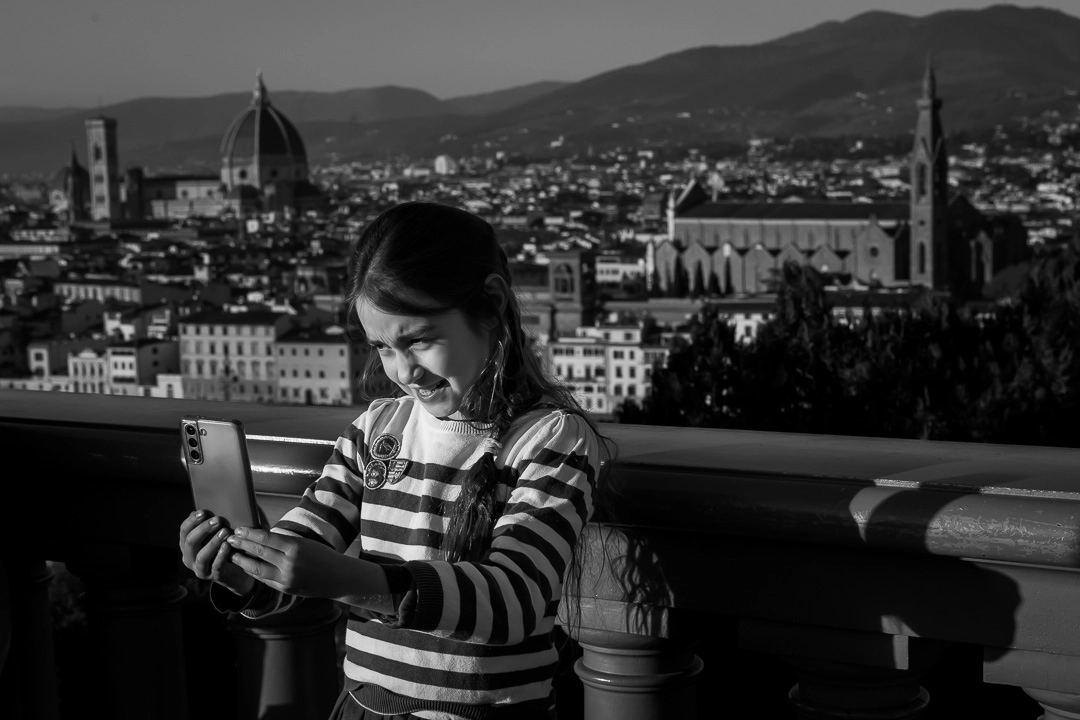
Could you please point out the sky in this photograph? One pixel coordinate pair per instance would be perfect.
(81, 53)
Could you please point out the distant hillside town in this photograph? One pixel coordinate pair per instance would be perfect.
(229, 285)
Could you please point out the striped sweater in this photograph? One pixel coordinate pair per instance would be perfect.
(470, 639)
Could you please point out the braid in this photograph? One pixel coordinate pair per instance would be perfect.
(502, 392)
(474, 512)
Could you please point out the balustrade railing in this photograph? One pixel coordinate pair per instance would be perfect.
(859, 562)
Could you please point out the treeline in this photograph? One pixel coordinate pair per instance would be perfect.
(1009, 374)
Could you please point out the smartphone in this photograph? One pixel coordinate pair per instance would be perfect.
(216, 456)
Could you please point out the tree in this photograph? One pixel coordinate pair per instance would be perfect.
(932, 370)
(713, 286)
(698, 288)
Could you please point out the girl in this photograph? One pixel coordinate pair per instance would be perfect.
(468, 492)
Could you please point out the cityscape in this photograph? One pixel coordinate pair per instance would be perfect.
(821, 291)
(122, 281)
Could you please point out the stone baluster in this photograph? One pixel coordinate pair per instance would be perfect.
(1057, 705)
(133, 608)
(28, 675)
(636, 677)
(288, 664)
(1053, 680)
(846, 673)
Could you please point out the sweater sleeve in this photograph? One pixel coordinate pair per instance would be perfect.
(514, 590)
(329, 509)
(328, 512)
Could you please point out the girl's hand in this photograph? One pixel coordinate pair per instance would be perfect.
(293, 565)
(205, 552)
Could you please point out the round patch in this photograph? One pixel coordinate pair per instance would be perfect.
(385, 447)
(375, 475)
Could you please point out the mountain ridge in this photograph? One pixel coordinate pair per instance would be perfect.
(857, 76)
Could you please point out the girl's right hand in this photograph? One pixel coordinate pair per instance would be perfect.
(205, 552)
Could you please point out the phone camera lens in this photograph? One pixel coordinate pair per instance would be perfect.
(190, 429)
(195, 455)
(193, 442)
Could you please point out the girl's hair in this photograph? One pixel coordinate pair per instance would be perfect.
(426, 259)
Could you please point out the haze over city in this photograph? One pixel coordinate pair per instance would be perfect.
(108, 51)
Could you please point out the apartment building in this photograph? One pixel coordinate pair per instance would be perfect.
(131, 368)
(230, 355)
(318, 367)
(605, 365)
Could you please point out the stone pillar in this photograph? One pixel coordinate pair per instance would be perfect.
(288, 664)
(1058, 705)
(1052, 679)
(845, 673)
(831, 691)
(636, 677)
(133, 616)
(28, 676)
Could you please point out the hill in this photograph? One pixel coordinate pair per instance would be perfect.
(856, 77)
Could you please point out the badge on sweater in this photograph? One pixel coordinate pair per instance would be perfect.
(375, 475)
(383, 450)
(396, 470)
(385, 447)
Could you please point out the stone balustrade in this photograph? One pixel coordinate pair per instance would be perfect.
(857, 562)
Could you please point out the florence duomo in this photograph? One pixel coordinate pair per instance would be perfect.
(540, 361)
(264, 168)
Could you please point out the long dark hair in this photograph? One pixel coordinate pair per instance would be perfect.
(425, 259)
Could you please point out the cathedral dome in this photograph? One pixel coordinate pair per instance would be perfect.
(262, 130)
(262, 145)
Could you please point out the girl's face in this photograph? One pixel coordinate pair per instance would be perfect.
(434, 358)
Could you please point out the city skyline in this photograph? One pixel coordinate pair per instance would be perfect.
(115, 50)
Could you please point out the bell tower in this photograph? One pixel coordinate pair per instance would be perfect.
(104, 168)
(929, 191)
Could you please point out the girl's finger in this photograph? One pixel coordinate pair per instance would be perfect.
(204, 560)
(253, 566)
(190, 523)
(256, 549)
(222, 556)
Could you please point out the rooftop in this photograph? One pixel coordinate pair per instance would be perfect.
(798, 211)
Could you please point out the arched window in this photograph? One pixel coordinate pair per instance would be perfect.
(922, 179)
(254, 369)
(97, 152)
(564, 280)
(978, 265)
(922, 258)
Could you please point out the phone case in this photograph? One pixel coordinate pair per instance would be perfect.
(215, 452)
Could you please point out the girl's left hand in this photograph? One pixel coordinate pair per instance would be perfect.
(293, 565)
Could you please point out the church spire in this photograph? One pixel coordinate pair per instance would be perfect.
(929, 83)
(74, 158)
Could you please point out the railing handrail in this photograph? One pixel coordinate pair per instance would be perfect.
(1009, 503)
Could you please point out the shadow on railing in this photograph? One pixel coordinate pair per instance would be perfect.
(857, 567)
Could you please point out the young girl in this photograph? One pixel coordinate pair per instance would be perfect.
(468, 492)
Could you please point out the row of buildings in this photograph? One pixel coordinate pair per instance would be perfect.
(229, 286)
(280, 355)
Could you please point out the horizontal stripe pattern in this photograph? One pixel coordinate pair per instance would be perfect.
(480, 632)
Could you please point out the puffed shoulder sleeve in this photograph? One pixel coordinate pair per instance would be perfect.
(513, 592)
(328, 512)
(329, 509)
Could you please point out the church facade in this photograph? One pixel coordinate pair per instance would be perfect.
(933, 240)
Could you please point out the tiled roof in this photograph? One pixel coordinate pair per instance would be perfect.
(217, 317)
(317, 336)
(798, 211)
